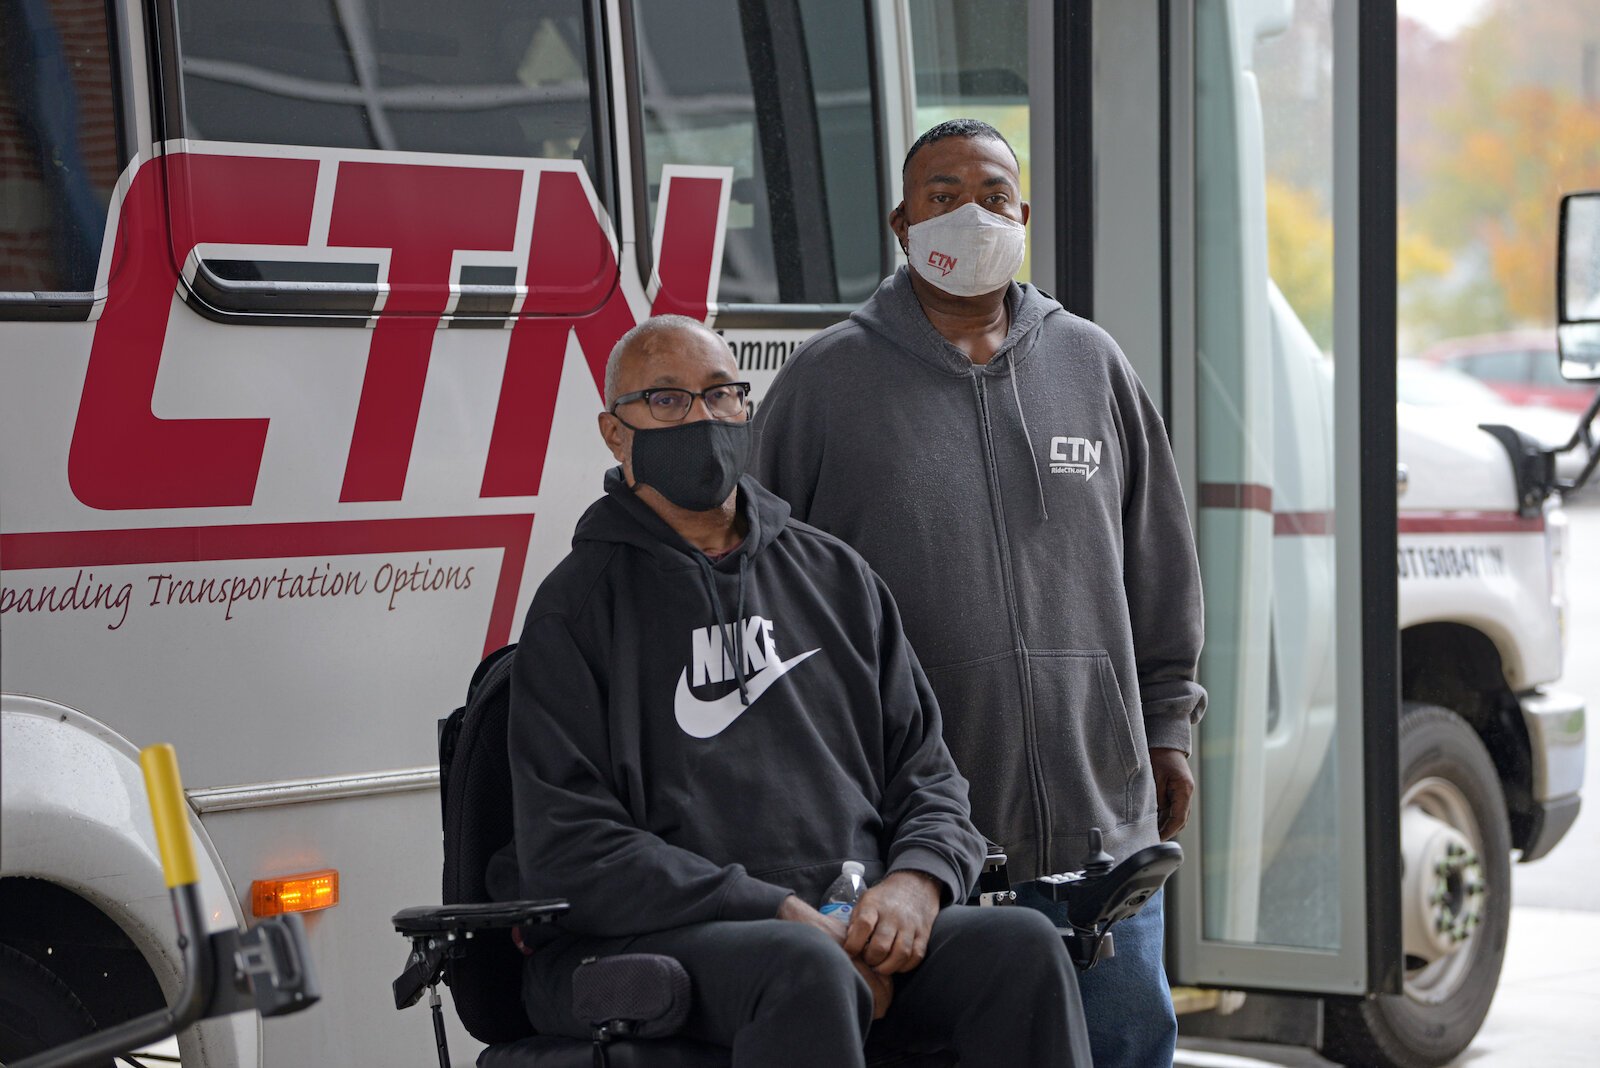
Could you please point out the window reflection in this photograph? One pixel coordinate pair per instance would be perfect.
(59, 156)
(1264, 287)
(781, 92)
(481, 77)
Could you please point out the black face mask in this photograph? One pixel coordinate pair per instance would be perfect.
(693, 465)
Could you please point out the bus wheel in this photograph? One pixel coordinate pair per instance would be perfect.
(37, 1011)
(1455, 900)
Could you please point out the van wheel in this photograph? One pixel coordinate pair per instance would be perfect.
(37, 1011)
(1455, 901)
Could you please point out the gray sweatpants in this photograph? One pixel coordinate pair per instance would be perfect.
(996, 987)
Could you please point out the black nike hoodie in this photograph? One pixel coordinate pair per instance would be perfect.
(694, 741)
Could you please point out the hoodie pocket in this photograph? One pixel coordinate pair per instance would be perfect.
(980, 702)
(1088, 756)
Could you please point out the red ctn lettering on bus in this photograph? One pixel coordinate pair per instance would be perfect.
(686, 269)
(122, 454)
(424, 214)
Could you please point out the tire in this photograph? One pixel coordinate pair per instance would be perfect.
(37, 1011)
(1446, 777)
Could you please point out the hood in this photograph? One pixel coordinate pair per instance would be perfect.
(620, 517)
(895, 313)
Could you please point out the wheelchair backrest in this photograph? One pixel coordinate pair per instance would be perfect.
(475, 792)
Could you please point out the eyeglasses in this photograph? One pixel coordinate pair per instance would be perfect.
(671, 405)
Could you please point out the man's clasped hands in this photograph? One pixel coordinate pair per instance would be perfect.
(888, 930)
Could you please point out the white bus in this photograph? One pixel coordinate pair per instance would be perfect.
(303, 309)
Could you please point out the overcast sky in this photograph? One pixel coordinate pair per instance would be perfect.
(1443, 17)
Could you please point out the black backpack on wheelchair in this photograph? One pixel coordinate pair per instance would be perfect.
(635, 1002)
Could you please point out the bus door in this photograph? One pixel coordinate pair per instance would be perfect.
(1280, 380)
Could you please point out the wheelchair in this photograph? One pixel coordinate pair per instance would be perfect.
(636, 1003)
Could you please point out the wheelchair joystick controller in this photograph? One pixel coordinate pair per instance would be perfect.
(1096, 861)
(1104, 893)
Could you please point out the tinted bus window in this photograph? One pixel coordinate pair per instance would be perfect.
(59, 155)
(508, 78)
(479, 77)
(782, 92)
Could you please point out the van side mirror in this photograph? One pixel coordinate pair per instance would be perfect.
(1578, 287)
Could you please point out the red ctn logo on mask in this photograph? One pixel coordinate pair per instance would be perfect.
(942, 262)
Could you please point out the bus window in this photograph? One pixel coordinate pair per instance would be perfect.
(781, 92)
(471, 78)
(971, 62)
(59, 153)
(474, 77)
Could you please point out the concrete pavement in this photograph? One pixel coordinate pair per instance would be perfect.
(1546, 1012)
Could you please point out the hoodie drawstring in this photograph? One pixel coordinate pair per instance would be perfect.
(729, 647)
(744, 692)
(1027, 439)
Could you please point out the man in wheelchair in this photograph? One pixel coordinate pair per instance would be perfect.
(713, 706)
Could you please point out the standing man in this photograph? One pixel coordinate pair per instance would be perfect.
(997, 462)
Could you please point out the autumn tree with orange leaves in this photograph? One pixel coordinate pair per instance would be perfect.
(1518, 129)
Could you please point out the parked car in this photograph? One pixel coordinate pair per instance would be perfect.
(1521, 366)
(1435, 385)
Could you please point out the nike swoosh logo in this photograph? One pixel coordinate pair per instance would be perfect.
(707, 719)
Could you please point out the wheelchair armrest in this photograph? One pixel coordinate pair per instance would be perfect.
(994, 882)
(463, 920)
(438, 931)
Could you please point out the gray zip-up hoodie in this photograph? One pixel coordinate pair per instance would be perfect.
(1027, 516)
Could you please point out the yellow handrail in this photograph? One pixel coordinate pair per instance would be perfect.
(170, 814)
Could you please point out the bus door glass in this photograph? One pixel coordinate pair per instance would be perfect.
(1274, 894)
(781, 91)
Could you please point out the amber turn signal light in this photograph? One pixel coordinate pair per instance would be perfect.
(305, 892)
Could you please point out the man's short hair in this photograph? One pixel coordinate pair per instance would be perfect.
(972, 128)
(648, 328)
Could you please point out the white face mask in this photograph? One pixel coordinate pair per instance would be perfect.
(967, 252)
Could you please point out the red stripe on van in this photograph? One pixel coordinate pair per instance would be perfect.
(1469, 523)
(1289, 524)
(1244, 495)
(1249, 496)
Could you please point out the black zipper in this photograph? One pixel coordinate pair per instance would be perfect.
(1030, 727)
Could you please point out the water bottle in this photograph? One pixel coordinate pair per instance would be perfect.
(840, 899)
